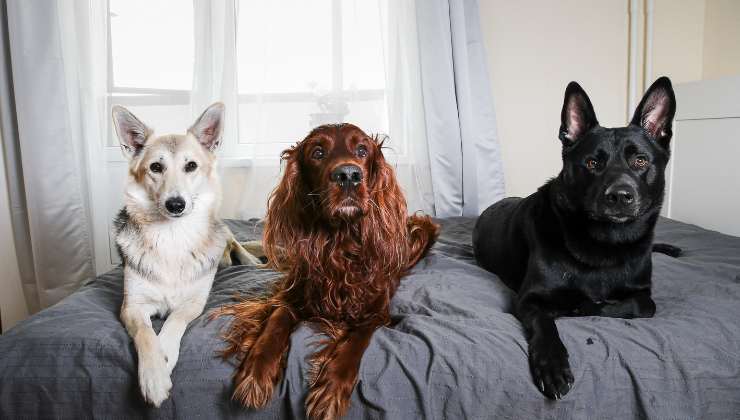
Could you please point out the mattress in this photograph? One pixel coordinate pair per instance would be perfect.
(454, 350)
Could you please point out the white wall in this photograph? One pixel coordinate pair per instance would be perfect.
(12, 304)
(535, 47)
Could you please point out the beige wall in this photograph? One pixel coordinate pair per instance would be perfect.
(721, 53)
(12, 304)
(678, 39)
(696, 39)
(534, 49)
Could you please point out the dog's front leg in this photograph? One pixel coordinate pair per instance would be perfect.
(637, 305)
(174, 327)
(334, 372)
(262, 367)
(548, 357)
(154, 377)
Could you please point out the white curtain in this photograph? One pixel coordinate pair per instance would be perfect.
(214, 73)
(57, 84)
(463, 146)
(406, 103)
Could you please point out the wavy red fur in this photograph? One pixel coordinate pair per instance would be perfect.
(341, 269)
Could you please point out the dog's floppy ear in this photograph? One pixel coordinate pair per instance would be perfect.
(132, 133)
(656, 111)
(286, 221)
(386, 193)
(578, 116)
(207, 129)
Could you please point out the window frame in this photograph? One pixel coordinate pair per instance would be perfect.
(240, 153)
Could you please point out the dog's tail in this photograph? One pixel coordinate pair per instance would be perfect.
(667, 249)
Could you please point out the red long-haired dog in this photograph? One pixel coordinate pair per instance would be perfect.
(337, 226)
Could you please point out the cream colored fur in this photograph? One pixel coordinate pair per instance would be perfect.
(170, 260)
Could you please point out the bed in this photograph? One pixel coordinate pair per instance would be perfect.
(454, 351)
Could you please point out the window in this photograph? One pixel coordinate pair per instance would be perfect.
(298, 64)
(150, 63)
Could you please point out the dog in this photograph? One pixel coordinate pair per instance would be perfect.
(581, 244)
(169, 238)
(337, 227)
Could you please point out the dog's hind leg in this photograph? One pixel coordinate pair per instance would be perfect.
(174, 327)
(154, 378)
(255, 248)
(236, 254)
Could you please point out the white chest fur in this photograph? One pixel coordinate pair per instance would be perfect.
(172, 261)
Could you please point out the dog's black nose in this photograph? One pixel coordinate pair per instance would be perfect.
(347, 175)
(620, 195)
(175, 205)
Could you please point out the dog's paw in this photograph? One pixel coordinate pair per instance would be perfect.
(154, 378)
(550, 369)
(329, 398)
(588, 307)
(255, 381)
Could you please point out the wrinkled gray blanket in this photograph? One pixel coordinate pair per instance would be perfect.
(456, 352)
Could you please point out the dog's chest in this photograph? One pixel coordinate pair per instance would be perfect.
(173, 252)
(351, 299)
(600, 283)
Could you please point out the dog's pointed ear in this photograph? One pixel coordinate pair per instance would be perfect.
(577, 116)
(656, 111)
(132, 133)
(207, 129)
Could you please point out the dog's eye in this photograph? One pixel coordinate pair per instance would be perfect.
(592, 163)
(318, 153)
(156, 167)
(640, 162)
(362, 151)
(190, 166)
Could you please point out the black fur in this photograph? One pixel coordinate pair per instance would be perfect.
(581, 245)
(121, 222)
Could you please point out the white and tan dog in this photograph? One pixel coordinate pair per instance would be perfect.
(169, 237)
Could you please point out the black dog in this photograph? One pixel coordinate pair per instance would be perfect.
(581, 244)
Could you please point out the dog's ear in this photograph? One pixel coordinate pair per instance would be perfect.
(132, 133)
(385, 192)
(207, 129)
(577, 116)
(286, 221)
(656, 111)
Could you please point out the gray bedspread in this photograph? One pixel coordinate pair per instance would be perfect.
(455, 352)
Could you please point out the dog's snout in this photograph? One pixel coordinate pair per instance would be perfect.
(175, 205)
(620, 195)
(347, 176)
